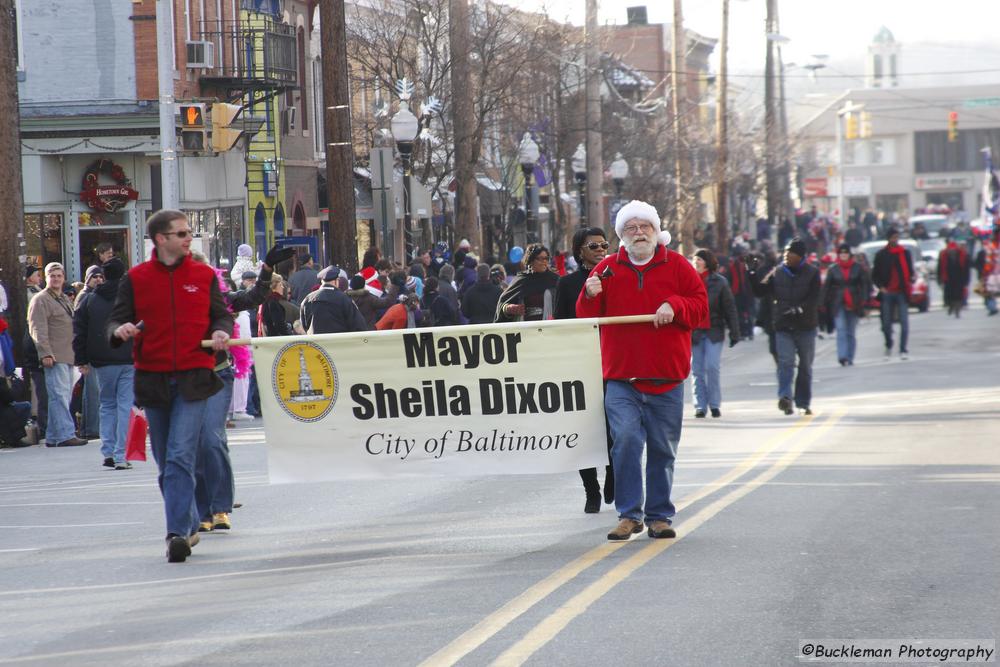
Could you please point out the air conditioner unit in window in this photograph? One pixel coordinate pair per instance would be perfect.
(200, 55)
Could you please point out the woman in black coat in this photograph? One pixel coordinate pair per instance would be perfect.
(706, 340)
(531, 295)
(844, 294)
(589, 247)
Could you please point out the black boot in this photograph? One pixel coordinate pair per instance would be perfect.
(593, 489)
(609, 485)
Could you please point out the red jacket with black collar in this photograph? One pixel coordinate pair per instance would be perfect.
(655, 359)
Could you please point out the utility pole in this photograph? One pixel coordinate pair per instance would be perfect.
(11, 196)
(722, 136)
(342, 239)
(678, 80)
(770, 124)
(463, 120)
(169, 168)
(595, 160)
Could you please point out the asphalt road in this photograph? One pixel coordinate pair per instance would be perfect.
(875, 518)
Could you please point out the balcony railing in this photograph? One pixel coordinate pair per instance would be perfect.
(256, 52)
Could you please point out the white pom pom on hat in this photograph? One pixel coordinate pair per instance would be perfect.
(642, 211)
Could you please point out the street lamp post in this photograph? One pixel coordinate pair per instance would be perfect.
(528, 156)
(580, 172)
(619, 172)
(404, 131)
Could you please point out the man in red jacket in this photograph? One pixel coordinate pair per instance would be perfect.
(168, 305)
(644, 364)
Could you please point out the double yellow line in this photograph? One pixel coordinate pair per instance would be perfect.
(553, 624)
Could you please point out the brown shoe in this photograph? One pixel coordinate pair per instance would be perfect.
(661, 529)
(626, 528)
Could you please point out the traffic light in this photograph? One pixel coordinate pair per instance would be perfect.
(224, 135)
(193, 131)
(850, 126)
(866, 125)
(952, 126)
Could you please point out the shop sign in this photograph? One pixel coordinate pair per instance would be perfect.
(942, 182)
(815, 187)
(107, 198)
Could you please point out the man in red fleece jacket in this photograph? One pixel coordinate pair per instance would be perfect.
(644, 364)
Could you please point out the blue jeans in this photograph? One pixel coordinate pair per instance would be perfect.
(706, 363)
(991, 304)
(174, 433)
(117, 395)
(900, 303)
(90, 424)
(214, 486)
(846, 323)
(639, 419)
(59, 385)
(789, 344)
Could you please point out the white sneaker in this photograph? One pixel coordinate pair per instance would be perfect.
(904, 356)
(888, 353)
(242, 416)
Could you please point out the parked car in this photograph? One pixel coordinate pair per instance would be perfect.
(920, 295)
(936, 224)
(929, 251)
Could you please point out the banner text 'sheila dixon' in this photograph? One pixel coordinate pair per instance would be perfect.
(434, 398)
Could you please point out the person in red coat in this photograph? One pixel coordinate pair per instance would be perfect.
(644, 364)
(953, 275)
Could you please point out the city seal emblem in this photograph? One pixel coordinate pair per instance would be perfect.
(305, 381)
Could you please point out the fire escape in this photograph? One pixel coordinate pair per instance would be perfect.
(254, 60)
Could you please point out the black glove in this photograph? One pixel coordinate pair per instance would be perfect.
(277, 255)
(751, 262)
(732, 342)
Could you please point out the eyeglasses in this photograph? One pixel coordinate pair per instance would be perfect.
(632, 229)
(595, 245)
(541, 258)
(182, 234)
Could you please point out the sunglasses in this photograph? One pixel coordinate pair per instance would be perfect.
(595, 245)
(183, 234)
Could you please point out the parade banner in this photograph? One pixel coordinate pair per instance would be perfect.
(491, 399)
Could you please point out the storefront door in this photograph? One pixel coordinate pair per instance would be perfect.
(91, 237)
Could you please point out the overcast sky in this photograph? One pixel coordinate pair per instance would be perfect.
(839, 28)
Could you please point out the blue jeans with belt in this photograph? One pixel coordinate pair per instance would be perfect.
(215, 488)
(174, 434)
(653, 422)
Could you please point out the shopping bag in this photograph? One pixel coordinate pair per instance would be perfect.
(135, 441)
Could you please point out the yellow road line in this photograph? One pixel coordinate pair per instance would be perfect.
(476, 636)
(545, 631)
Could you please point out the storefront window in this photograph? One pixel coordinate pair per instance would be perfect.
(220, 231)
(43, 238)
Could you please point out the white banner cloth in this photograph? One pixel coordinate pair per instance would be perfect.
(467, 400)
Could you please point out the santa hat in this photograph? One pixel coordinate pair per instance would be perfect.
(372, 283)
(642, 211)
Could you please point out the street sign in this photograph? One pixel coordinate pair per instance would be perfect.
(815, 187)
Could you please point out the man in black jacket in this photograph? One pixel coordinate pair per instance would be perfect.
(479, 304)
(112, 366)
(328, 310)
(792, 288)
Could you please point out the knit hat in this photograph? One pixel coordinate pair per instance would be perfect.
(642, 211)
(892, 231)
(91, 272)
(411, 283)
(244, 250)
(53, 266)
(843, 247)
(357, 282)
(248, 275)
(464, 243)
(797, 246)
(114, 269)
(30, 271)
